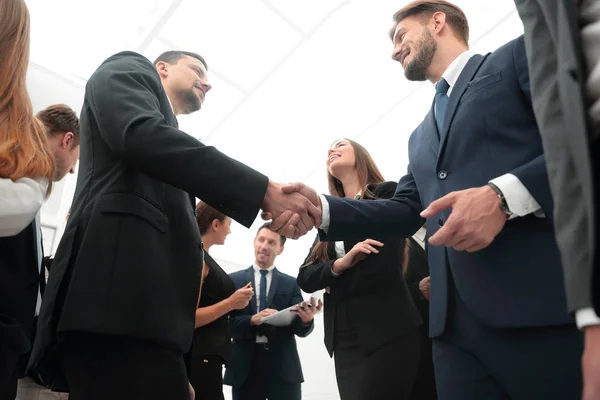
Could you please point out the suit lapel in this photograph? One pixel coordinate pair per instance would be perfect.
(250, 278)
(465, 77)
(273, 288)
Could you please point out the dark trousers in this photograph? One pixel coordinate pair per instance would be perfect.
(206, 377)
(9, 368)
(263, 383)
(474, 361)
(388, 373)
(100, 367)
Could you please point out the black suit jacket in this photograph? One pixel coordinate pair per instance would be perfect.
(19, 285)
(558, 73)
(283, 293)
(489, 130)
(374, 290)
(129, 262)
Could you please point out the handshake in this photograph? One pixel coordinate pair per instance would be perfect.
(293, 209)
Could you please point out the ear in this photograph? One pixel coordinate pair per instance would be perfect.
(162, 69)
(215, 224)
(67, 140)
(280, 250)
(438, 21)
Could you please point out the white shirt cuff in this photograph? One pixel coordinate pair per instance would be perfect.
(324, 214)
(586, 317)
(520, 201)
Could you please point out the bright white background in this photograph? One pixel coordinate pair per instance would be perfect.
(289, 77)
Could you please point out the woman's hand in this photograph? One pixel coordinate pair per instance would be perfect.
(359, 252)
(240, 299)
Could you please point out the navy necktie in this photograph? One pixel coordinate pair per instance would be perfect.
(441, 100)
(263, 290)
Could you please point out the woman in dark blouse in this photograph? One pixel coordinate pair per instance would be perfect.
(218, 297)
(371, 322)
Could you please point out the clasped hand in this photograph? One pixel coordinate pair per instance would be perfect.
(294, 209)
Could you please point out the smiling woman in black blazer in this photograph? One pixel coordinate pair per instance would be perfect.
(371, 322)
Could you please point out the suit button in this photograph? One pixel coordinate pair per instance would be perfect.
(442, 175)
(440, 222)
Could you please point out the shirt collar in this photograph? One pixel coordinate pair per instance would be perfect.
(257, 268)
(453, 71)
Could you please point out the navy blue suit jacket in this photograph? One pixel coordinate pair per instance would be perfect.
(283, 293)
(490, 130)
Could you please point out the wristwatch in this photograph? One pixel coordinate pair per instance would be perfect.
(503, 203)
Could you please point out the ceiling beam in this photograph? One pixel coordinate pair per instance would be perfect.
(162, 21)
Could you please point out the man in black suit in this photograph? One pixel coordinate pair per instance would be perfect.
(265, 362)
(477, 175)
(22, 274)
(118, 314)
(560, 36)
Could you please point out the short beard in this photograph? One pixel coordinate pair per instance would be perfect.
(191, 101)
(416, 70)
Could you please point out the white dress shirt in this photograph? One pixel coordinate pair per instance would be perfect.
(520, 201)
(20, 201)
(257, 276)
(589, 15)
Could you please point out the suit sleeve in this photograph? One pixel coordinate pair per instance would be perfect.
(533, 175)
(124, 99)
(315, 276)
(300, 329)
(356, 219)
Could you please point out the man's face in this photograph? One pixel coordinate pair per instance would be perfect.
(188, 80)
(414, 48)
(267, 246)
(66, 154)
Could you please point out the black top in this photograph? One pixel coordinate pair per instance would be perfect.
(214, 338)
(372, 298)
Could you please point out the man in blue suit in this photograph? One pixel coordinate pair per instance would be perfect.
(477, 174)
(265, 362)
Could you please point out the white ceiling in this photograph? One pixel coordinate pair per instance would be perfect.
(289, 77)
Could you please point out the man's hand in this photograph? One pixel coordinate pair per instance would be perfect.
(306, 312)
(425, 287)
(359, 252)
(591, 363)
(474, 222)
(256, 318)
(294, 213)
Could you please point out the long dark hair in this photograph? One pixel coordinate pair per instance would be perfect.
(368, 174)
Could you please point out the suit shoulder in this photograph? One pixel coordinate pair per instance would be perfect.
(237, 274)
(126, 63)
(507, 49)
(385, 190)
(287, 278)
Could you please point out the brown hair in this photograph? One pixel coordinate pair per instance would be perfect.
(205, 215)
(24, 150)
(267, 225)
(455, 17)
(368, 174)
(60, 119)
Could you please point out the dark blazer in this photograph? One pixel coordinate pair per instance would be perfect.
(283, 293)
(129, 262)
(19, 284)
(557, 74)
(214, 339)
(374, 290)
(489, 130)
